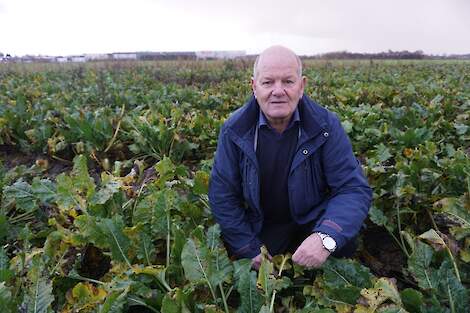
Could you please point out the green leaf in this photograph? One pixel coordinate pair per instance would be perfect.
(114, 303)
(66, 196)
(154, 210)
(146, 248)
(4, 227)
(451, 289)
(251, 299)
(43, 190)
(196, 262)
(267, 280)
(383, 153)
(378, 217)
(419, 266)
(106, 233)
(179, 239)
(264, 309)
(82, 179)
(412, 300)
(39, 297)
(347, 125)
(21, 194)
(206, 262)
(340, 284)
(6, 301)
(175, 302)
(346, 272)
(76, 189)
(110, 186)
(166, 170)
(265, 275)
(5, 272)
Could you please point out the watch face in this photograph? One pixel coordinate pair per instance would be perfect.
(329, 243)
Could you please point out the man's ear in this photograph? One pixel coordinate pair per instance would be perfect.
(304, 84)
(253, 85)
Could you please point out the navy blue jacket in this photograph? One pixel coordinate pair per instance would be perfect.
(325, 183)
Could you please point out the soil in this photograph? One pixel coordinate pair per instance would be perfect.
(381, 254)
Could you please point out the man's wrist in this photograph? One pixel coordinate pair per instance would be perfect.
(328, 242)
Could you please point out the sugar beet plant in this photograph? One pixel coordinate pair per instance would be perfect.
(104, 172)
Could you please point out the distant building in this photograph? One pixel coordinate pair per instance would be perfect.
(205, 55)
(97, 57)
(124, 56)
(61, 59)
(77, 58)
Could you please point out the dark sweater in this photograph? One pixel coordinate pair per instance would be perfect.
(275, 152)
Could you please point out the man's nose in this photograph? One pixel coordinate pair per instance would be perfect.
(278, 89)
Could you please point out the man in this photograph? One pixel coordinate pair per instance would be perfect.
(284, 173)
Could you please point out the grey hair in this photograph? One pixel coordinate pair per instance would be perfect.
(299, 66)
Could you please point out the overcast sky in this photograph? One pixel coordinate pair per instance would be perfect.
(65, 27)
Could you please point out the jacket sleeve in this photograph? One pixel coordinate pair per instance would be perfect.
(226, 200)
(350, 195)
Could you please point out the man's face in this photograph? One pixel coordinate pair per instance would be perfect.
(278, 87)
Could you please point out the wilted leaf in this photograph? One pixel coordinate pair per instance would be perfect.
(455, 209)
(433, 238)
(383, 290)
(201, 183)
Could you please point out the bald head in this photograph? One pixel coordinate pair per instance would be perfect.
(276, 55)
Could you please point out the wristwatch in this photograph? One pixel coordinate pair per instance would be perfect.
(328, 242)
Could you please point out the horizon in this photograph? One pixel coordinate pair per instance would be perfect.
(245, 55)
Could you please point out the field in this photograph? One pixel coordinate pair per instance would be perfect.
(104, 169)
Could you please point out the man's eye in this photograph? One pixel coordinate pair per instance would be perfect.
(289, 81)
(266, 83)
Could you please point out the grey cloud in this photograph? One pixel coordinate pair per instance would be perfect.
(366, 25)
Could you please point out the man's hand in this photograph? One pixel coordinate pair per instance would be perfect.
(311, 252)
(256, 261)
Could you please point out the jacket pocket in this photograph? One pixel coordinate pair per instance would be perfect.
(318, 176)
(310, 184)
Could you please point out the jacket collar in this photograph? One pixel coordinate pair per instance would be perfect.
(313, 118)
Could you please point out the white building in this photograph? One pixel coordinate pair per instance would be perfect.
(61, 59)
(97, 57)
(124, 56)
(77, 58)
(220, 54)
